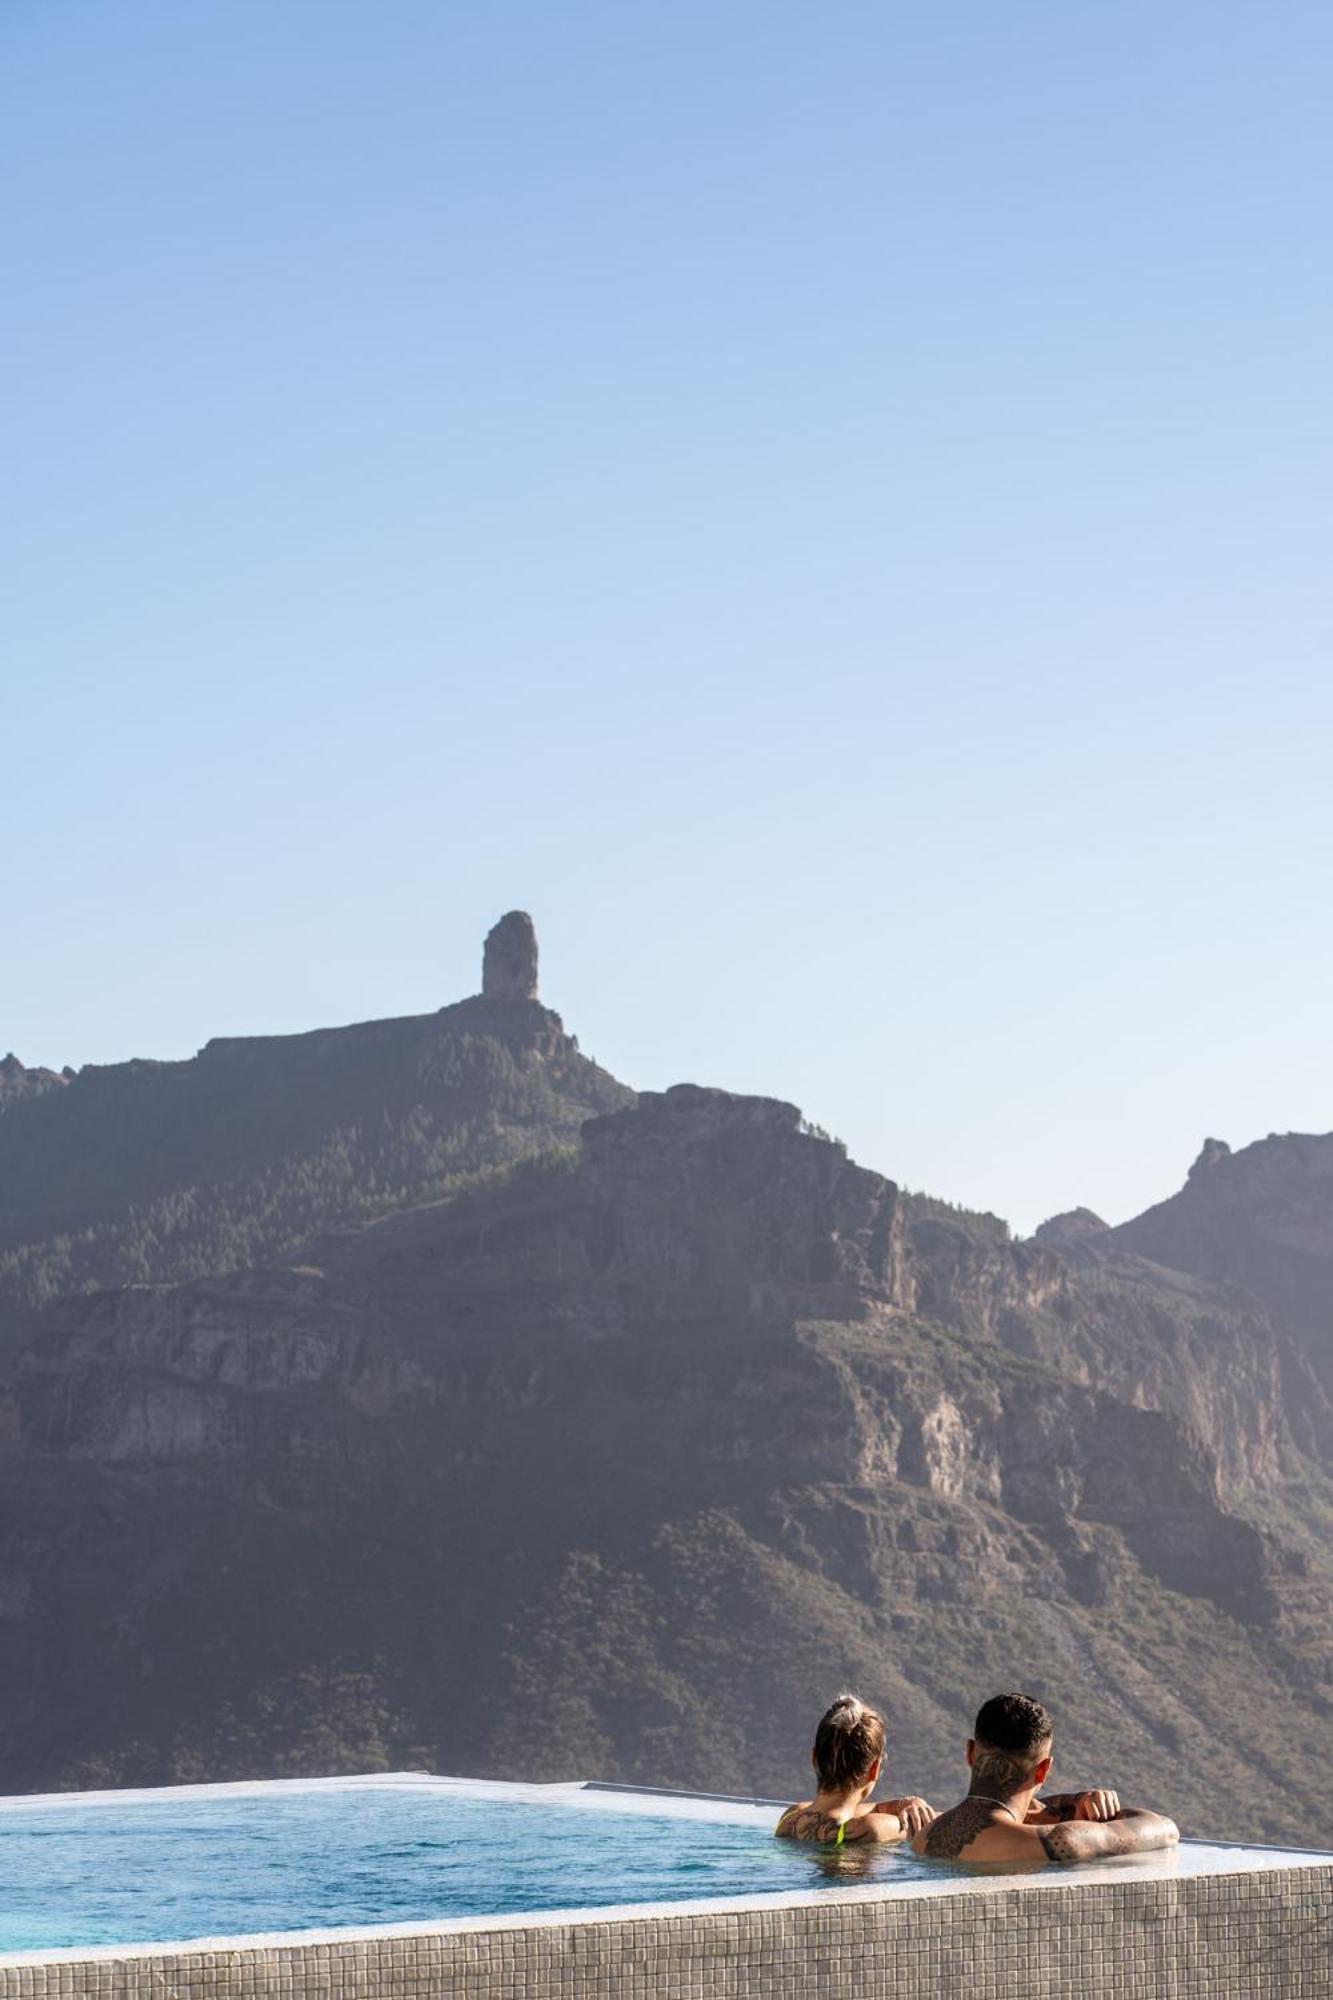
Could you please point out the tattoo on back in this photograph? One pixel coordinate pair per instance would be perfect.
(804, 1823)
(954, 1830)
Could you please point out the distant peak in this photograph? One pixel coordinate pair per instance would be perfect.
(17, 1080)
(509, 960)
(1070, 1229)
(1212, 1152)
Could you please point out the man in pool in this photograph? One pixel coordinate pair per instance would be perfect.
(848, 1753)
(1003, 1820)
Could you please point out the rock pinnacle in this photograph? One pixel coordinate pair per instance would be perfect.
(509, 962)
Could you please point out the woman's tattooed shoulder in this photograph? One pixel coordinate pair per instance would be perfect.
(804, 1823)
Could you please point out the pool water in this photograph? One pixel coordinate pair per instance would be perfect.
(219, 1861)
(190, 1867)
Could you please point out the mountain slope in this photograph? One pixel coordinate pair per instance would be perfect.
(144, 1172)
(1153, 1337)
(1261, 1220)
(617, 1466)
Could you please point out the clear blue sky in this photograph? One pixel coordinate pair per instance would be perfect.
(828, 506)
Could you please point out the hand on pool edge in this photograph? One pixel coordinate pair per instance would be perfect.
(1099, 1804)
(913, 1814)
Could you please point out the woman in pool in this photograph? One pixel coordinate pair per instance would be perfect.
(848, 1752)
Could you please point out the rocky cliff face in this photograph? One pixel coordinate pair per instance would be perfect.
(509, 959)
(18, 1083)
(730, 1196)
(1261, 1219)
(643, 1449)
(1154, 1338)
(1260, 1222)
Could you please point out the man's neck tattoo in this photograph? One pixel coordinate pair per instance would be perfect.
(996, 1779)
(996, 1775)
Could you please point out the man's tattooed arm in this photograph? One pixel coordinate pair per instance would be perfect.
(1056, 1806)
(1131, 1832)
(1097, 1804)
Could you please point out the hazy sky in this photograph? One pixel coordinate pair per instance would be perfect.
(829, 506)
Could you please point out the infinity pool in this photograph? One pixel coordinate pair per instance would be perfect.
(218, 1861)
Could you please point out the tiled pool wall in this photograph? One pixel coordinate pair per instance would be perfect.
(1237, 1936)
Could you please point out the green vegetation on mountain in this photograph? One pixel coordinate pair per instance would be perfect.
(155, 1173)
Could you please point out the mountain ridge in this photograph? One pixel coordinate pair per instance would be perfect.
(143, 1170)
(650, 1436)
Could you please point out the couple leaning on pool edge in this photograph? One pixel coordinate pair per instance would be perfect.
(1002, 1819)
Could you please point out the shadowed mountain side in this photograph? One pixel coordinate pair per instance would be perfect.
(146, 1171)
(1156, 1338)
(18, 1084)
(617, 1467)
(1262, 1221)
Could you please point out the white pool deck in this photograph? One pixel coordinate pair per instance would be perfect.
(1191, 1860)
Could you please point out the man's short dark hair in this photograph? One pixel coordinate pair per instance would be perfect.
(1015, 1725)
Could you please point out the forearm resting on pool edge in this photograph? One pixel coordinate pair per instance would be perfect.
(1132, 1831)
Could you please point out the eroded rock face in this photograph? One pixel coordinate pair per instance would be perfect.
(509, 960)
(701, 1186)
(1261, 1220)
(1211, 1153)
(1073, 1299)
(18, 1082)
(1070, 1230)
(247, 1382)
(952, 1454)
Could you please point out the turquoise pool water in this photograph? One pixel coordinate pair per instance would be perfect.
(223, 1862)
(184, 1868)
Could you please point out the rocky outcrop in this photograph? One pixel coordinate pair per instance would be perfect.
(969, 1271)
(17, 1084)
(1211, 1153)
(1071, 1299)
(509, 961)
(1074, 1229)
(1261, 1222)
(701, 1187)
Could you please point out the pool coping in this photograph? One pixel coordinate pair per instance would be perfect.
(1150, 1871)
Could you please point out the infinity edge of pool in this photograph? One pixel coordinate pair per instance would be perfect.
(1223, 1858)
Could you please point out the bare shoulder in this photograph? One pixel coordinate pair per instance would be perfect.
(881, 1828)
(972, 1832)
(805, 1822)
